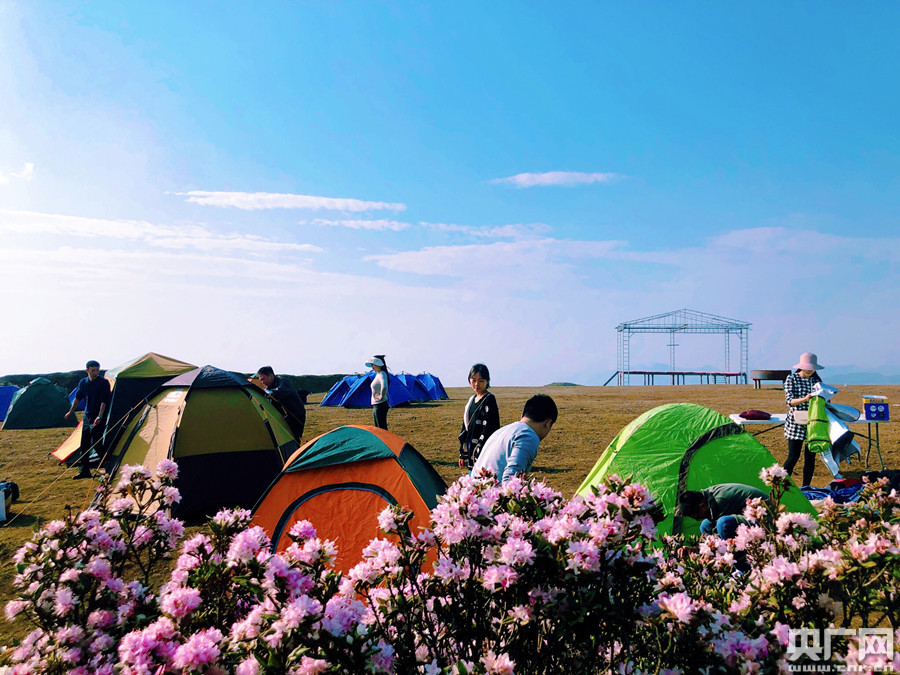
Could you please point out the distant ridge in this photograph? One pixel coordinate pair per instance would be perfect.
(562, 384)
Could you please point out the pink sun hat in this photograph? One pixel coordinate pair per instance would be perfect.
(808, 361)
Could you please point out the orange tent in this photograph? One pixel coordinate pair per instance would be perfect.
(340, 482)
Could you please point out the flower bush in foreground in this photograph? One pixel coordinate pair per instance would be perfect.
(511, 578)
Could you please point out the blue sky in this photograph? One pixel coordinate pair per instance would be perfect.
(305, 184)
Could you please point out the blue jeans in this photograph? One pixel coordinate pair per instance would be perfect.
(725, 527)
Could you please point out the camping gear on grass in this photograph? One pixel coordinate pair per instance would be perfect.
(39, 405)
(9, 492)
(229, 441)
(340, 482)
(683, 446)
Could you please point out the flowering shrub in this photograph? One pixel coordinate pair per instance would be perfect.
(511, 578)
(73, 577)
(522, 579)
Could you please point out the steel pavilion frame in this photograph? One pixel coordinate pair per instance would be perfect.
(682, 321)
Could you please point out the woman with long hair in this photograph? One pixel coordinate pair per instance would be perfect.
(480, 418)
(380, 403)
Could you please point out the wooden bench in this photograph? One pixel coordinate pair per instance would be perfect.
(760, 376)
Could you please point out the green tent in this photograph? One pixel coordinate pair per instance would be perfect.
(684, 446)
(228, 440)
(40, 405)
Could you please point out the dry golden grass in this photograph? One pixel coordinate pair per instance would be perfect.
(590, 417)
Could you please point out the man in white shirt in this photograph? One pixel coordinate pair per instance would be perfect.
(511, 449)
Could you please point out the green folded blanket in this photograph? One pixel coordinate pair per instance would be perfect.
(817, 439)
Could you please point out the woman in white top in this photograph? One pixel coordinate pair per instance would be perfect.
(379, 385)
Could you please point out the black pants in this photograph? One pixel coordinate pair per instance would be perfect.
(91, 437)
(379, 414)
(296, 422)
(809, 460)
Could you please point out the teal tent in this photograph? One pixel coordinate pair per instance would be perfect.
(39, 405)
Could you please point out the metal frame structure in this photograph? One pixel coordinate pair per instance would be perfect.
(683, 321)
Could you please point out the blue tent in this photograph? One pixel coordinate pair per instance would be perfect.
(80, 406)
(416, 388)
(337, 393)
(433, 385)
(7, 391)
(359, 394)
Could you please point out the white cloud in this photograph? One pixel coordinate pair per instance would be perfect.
(511, 231)
(255, 201)
(27, 173)
(183, 237)
(526, 180)
(378, 225)
(489, 259)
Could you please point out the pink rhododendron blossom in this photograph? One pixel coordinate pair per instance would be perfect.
(180, 602)
(498, 664)
(311, 666)
(247, 544)
(773, 474)
(64, 601)
(678, 605)
(201, 649)
(302, 529)
(167, 469)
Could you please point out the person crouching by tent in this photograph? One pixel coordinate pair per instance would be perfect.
(797, 393)
(719, 508)
(480, 418)
(513, 448)
(379, 386)
(94, 391)
(286, 398)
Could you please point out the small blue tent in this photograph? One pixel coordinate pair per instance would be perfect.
(416, 388)
(80, 406)
(433, 385)
(7, 391)
(336, 394)
(359, 394)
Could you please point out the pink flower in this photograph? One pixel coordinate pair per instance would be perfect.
(64, 601)
(679, 605)
(167, 469)
(248, 667)
(499, 575)
(516, 552)
(180, 602)
(498, 664)
(247, 544)
(311, 666)
(201, 649)
(772, 475)
(302, 529)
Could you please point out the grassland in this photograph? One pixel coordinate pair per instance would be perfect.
(590, 417)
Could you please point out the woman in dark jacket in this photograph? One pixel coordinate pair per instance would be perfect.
(481, 417)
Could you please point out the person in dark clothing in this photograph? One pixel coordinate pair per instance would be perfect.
(719, 508)
(480, 418)
(94, 391)
(286, 399)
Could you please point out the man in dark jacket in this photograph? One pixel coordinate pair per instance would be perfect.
(719, 508)
(286, 399)
(94, 391)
